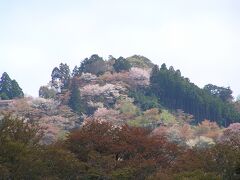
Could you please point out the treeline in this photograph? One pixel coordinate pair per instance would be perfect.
(176, 92)
(104, 151)
(168, 89)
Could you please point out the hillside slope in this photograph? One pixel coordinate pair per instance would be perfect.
(135, 82)
(129, 91)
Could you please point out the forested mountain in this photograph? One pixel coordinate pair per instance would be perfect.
(121, 118)
(147, 85)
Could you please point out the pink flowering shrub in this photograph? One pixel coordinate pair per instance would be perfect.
(208, 129)
(105, 114)
(186, 132)
(139, 76)
(55, 126)
(107, 89)
(178, 134)
(204, 135)
(88, 77)
(231, 135)
(53, 117)
(50, 133)
(121, 77)
(134, 77)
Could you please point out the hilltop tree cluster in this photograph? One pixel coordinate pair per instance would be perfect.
(97, 66)
(65, 86)
(9, 89)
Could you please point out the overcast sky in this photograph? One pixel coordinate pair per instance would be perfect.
(199, 37)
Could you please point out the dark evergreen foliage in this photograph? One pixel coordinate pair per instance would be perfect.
(121, 64)
(75, 98)
(75, 71)
(176, 92)
(56, 73)
(63, 74)
(144, 100)
(94, 65)
(224, 93)
(9, 89)
(16, 90)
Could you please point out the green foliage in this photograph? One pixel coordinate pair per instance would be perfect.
(16, 90)
(140, 61)
(167, 118)
(139, 122)
(128, 108)
(121, 64)
(177, 92)
(47, 93)
(196, 175)
(3, 96)
(62, 164)
(75, 99)
(123, 174)
(144, 101)
(75, 71)
(153, 118)
(6, 85)
(15, 129)
(22, 157)
(63, 74)
(18, 141)
(94, 65)
(9, 89)
(56, 73)
(224, 93)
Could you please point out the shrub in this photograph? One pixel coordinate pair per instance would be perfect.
(47, 93)
(231, 136)
(143, 101)
(208, 129)
(201, 142)
(121, 64)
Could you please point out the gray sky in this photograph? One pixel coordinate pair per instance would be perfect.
(199, 37)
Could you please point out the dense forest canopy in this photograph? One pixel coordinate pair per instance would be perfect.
(176, 92)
